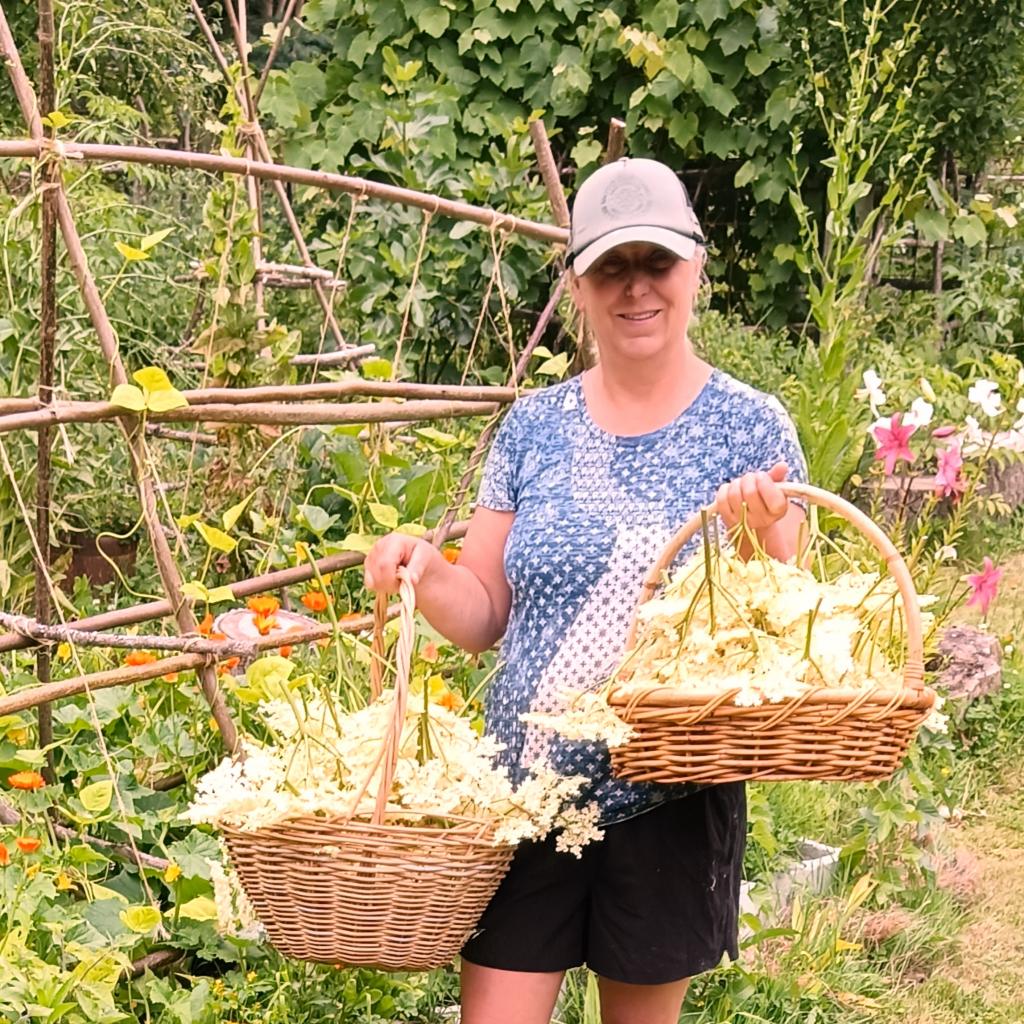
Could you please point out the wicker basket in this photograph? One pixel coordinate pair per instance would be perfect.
(378, 893)
(834, 734)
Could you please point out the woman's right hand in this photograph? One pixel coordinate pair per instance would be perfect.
(380, 570)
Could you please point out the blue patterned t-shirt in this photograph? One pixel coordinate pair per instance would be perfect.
(593, 511)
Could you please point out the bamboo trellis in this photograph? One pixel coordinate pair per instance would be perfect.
(297, 404)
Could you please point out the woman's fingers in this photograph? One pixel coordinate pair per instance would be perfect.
(390, 553)
(756, 497)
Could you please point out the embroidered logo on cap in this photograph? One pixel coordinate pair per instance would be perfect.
(626, 196)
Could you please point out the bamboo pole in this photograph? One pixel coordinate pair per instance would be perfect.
(275, 46)
(322, 391)
(240, 589)
(362, 187)
(444, 531)
(47, 340)
(166, 566)
(254, 412)
(263, 150)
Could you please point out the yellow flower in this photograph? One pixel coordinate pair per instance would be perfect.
(63, 651)
(32, 870)
(64, 881)
(172, 873)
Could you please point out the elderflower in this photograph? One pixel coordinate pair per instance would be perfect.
(326, 763)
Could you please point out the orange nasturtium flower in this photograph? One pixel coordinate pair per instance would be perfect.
(315, 600)
(170, 677)
(265, 604)
(206, 625)
(285, 650)
(5, 855)
(139, 658)
(451, 554)
(28, 844)
(26, 780)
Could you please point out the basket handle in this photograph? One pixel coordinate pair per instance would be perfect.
(913, 669)
(388, 754)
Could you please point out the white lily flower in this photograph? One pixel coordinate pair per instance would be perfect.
(920, 414)
(985, 395)
(872, 391)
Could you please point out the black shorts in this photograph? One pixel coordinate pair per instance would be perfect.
(657, 900)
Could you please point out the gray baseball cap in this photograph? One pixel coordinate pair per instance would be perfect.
(631, 200)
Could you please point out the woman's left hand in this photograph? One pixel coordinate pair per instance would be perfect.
(765, 501)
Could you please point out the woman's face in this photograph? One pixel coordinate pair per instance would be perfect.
(638, 298)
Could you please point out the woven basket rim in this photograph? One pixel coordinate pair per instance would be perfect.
(660, 695)
(448, 825)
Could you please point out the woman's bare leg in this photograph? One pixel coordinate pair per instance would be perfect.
(492, 996)
(641, 1004)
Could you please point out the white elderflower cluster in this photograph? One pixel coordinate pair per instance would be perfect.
(768, 630)
(236, 916)
(584, 716)
(324, 762)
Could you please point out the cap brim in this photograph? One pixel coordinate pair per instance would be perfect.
(664, 238)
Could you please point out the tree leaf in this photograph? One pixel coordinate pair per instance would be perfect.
(152, 379)
(149, 241)
(97, 796)
(377, 368)
(128, 396)
(162, 401)
(217, 539)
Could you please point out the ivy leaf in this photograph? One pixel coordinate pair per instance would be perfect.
(747, 173)
(386, 515)
(711, 11)
(128, 396)
(757, 62)
(217, 539)
(141, 919)
(682, 128)
(97, 796)
(586, 152)
(738, 34)
(719, 97)
(131, 254)
(433, 21)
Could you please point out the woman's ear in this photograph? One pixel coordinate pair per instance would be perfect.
(576, 291)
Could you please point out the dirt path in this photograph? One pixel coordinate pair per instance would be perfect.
(982, 979)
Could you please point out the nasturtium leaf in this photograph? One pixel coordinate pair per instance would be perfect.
(83, 854)
(386, 515)
(268, 676)
(96, 797)
(201, 908)
(128, 396)
(360, 542)
(217, 539)
(195, 591)
(141, 919)
(162, 401)
(152, 379)
(314, 518)
(376, 368)
(130, 253)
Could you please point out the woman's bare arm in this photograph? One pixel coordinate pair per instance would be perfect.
(467, 602)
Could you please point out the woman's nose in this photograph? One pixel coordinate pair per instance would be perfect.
(637, 283)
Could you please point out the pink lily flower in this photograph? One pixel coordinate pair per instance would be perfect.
(892, 442)
(949, 479)
(984, 585)
(941, 433)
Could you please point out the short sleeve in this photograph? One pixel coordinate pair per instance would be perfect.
(499, 488)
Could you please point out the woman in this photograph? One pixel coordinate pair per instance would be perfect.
(585, 483)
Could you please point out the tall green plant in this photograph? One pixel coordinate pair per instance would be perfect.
(864, 113)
